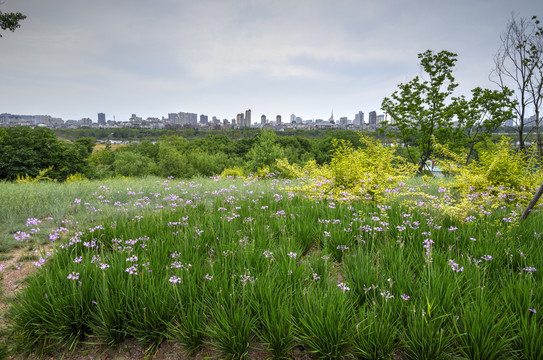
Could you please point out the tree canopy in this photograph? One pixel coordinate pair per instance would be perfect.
(10, 21)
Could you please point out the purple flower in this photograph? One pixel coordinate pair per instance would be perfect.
(405, 297)
(73, 276)
(533, 310)
(530, 269)
(343, 287)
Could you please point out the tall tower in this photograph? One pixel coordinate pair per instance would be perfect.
(248, 118)
(263, 119)
(359, 118)
(101, 118)
(373, 118)
(278, 119)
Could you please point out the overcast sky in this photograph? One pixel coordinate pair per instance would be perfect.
(75, 58)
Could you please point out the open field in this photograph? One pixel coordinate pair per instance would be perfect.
(252, 268)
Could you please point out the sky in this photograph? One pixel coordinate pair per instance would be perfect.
(73, 59)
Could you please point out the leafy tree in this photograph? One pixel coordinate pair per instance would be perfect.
(10, 21)
(26, 151)
(129, 163)
(420, 107)
(86, 144)
(264, 151)
(480, 116)
(172, 163)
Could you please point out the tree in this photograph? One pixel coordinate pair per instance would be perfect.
(10, 21)
(26, 151)
(420, 107)
(482, 115)
(518, 64)
(264, 151)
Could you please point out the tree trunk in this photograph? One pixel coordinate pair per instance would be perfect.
(532, 203)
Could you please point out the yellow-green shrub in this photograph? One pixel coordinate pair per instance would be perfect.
(365, 173)
(499, 174)
(235, 171)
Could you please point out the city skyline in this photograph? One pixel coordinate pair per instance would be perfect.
(75, 59)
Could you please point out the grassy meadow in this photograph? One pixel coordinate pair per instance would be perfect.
(233, 263)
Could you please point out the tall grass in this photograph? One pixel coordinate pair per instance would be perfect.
(235, 262)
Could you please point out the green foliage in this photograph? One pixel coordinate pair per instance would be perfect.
(324, 319)
(500, 169)
(25, 151)
(485, 112)
(132, 164)
(86, 145)
(366, 172)
(172, 163)
(264, 151)
(424, 110)
(10, 21)
(233, 172)
(420, 109)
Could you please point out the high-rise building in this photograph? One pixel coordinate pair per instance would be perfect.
(101, 118)
(263, 119)
(204, 119)
(248, 118)
(359, 118)
(278, 119)
(292, 118)
(240, 120)
(380, 119)
(373, 118)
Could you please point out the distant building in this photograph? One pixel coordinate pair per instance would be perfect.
(359, 118)
(292, 118)
(204, 119)
(85, 122)
(263, 120)
(240, 120)
(372, 118)
(278, 119)
(101, 118)
(248, 118)
(343, 121)
(380, 119)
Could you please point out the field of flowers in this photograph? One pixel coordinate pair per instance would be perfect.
(237, 262)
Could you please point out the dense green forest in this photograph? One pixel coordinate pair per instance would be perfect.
(47, 154)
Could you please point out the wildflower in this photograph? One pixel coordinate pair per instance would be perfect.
(343, 287)
(77, 201)
(487, 257)
(132, 270)
(455, 267)
(73, 276)
(175, 280)
(533, 310)
(530, 269)
(104, 266)
(208, 277)
(405, 297)
(387, 295)
(133, 258)
(32, 222)
(78, 259)
(316, 276)
(267, 254)
(292, 255)
(452, 228)
(38, 263)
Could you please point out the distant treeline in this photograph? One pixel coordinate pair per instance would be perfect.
(184, 154)
(27, 152)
